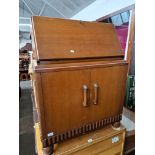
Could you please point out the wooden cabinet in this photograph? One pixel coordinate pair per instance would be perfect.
(64, 96)
(79, 77)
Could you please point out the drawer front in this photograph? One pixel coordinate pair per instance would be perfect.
(113, 144)
(117, 150)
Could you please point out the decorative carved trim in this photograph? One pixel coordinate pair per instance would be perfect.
(50, 141)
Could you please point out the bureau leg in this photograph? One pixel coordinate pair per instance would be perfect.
(48, 150)
(116, 124)
(47, 147)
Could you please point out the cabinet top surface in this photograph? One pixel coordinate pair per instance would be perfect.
(55, 38)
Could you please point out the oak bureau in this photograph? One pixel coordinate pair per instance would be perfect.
(79, 77)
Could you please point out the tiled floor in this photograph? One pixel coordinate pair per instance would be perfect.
(26, 130)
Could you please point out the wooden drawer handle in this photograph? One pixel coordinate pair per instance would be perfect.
(85, 92)
(95, 93)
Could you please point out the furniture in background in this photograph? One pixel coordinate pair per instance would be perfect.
(24, 61)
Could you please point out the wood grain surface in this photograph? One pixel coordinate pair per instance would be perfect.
(61, 39)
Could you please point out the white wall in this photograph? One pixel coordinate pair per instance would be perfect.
(100, 8)
(25, 27)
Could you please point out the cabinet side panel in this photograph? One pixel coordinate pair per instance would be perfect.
(37, 87)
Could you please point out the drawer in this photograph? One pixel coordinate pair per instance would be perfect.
(98, 146)
(117, 150)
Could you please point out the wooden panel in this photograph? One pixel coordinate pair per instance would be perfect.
(77, 65)
(102, 146)
(117, 150)
(111, 83)
(63, 99)
(61, 39)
